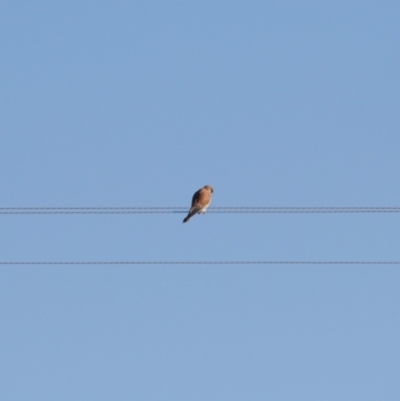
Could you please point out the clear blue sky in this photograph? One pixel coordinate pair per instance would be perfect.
(140, 103)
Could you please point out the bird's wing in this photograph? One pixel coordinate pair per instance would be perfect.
(201, 198)
(196, 197)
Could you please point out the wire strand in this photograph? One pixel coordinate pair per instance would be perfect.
(165, 210)
(261, 262)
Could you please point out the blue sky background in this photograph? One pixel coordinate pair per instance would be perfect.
(140, 104)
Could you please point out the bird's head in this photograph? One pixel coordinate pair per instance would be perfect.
(209, 187)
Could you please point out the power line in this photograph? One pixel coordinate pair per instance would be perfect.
(260, 262)
(169, 209)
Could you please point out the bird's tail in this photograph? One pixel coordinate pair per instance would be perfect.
(191, 213)
(187, 218)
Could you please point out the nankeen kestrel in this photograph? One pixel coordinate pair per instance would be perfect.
(200, 201)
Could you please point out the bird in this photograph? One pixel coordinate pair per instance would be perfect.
(200, 201)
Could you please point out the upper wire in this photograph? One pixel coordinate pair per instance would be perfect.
(259, 262)
(179, 209)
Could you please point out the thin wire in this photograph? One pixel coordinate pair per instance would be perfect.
(261, 262)
(224, 209)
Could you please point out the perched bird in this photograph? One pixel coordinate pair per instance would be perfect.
(200, 201)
